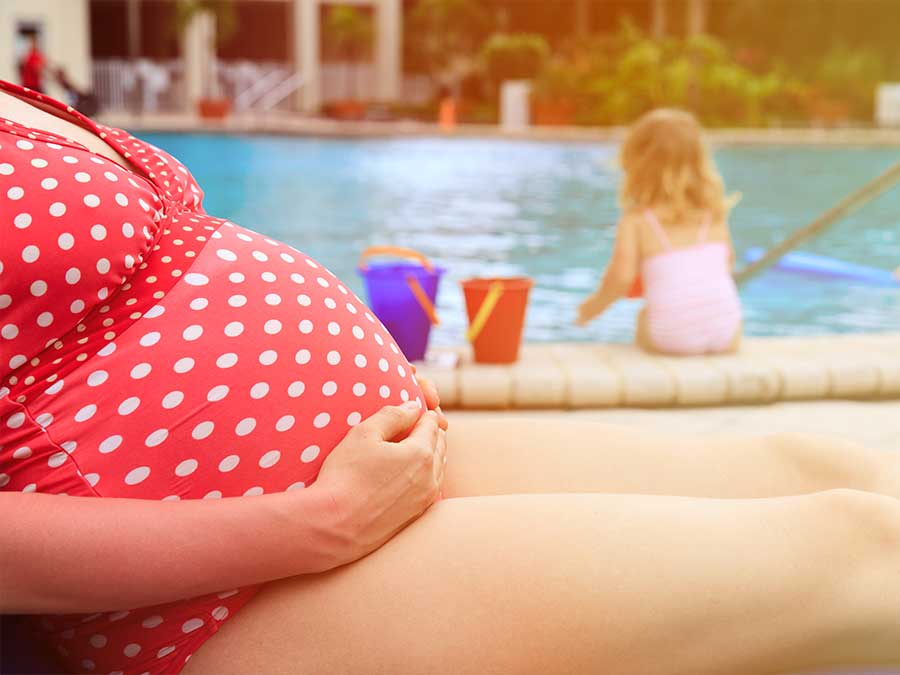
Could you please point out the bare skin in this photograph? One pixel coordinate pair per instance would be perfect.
(587, 582)
(569, 579)
(46, 118)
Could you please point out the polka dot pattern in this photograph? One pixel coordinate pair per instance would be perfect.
(150, 350)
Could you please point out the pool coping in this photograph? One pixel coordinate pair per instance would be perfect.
(297, 125)
(568, 376)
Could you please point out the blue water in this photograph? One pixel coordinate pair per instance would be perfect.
(490, 207)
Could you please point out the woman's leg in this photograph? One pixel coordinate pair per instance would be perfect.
(497, 455)
(576, 583)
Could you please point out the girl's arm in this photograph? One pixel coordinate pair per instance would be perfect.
(619, 275)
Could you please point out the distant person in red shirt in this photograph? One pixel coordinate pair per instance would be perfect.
(31, 67)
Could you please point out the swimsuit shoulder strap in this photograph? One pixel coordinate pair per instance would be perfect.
(651, 218)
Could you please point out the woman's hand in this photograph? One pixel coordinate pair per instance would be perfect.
(432, 400)
(377, 484)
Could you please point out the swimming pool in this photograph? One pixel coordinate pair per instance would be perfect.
(495, 207)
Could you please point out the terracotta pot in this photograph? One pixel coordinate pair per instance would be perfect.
(824, 108)
(553, 113)
(213, 108)
(348, 110)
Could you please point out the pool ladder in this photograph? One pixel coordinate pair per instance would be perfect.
(841, 210)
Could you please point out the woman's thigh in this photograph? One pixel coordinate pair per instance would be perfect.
(496, 454)
(581, 583)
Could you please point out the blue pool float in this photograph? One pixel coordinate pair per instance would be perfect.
(819, 265)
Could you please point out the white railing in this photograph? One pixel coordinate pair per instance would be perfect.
(246, 82)
(255, 89)
(342, 81)
(158, 86)
(142, 85)
(279, 93)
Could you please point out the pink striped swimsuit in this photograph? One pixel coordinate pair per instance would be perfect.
(692, 302)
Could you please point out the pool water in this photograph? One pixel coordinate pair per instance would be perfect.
(495, 207)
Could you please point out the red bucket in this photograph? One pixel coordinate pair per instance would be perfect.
(496, 309)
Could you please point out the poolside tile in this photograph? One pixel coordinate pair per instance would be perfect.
(485, 386)
(750, 379)
(556, 376)
(538, 379)
(697, 381)
(852, 377)
(645, 380)
(801, 378)
(590, 381)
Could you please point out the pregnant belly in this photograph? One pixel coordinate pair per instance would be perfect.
(238, 379)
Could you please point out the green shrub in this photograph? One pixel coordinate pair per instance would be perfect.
(851, 76)
(616, 79)
(514, 56)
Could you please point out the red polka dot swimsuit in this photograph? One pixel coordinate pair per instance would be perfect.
(149, 350)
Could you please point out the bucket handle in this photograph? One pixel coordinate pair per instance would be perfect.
(396, 251)
(485, 311)
(422, 297)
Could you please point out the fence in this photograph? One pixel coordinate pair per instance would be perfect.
(158, 86)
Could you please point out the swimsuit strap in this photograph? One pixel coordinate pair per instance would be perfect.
(651, 218)
(704, 228)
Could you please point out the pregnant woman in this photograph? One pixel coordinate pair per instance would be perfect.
(151, 354)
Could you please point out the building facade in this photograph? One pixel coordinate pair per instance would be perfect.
(62, 28)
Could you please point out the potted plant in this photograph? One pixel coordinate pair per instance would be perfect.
(212, 104)
(514, 56)
(555, 95)
(348, 35)
(512, 60)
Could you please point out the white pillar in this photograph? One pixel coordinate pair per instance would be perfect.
(515, 105)
(696, 17)
(582, 19)
(197, 50)
(659, 19)
(306, 53)
(388, 49)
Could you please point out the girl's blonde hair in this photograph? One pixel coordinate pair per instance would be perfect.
(666, 163)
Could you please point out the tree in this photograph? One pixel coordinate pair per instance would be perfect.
(447, 34)
(349, 35)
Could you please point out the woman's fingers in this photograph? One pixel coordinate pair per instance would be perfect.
(424, 434)
(440, 457)
(391, 421)
(432, 399)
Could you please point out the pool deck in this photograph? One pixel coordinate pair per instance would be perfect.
(586, 376)
(297, 125)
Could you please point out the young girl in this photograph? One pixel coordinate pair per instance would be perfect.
(674, 236)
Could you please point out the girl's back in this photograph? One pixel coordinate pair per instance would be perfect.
(692, 302)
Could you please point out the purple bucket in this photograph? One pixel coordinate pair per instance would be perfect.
(402, 296)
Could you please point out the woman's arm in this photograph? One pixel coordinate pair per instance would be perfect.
(64, 554)
(619, 275)
(81, 554)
